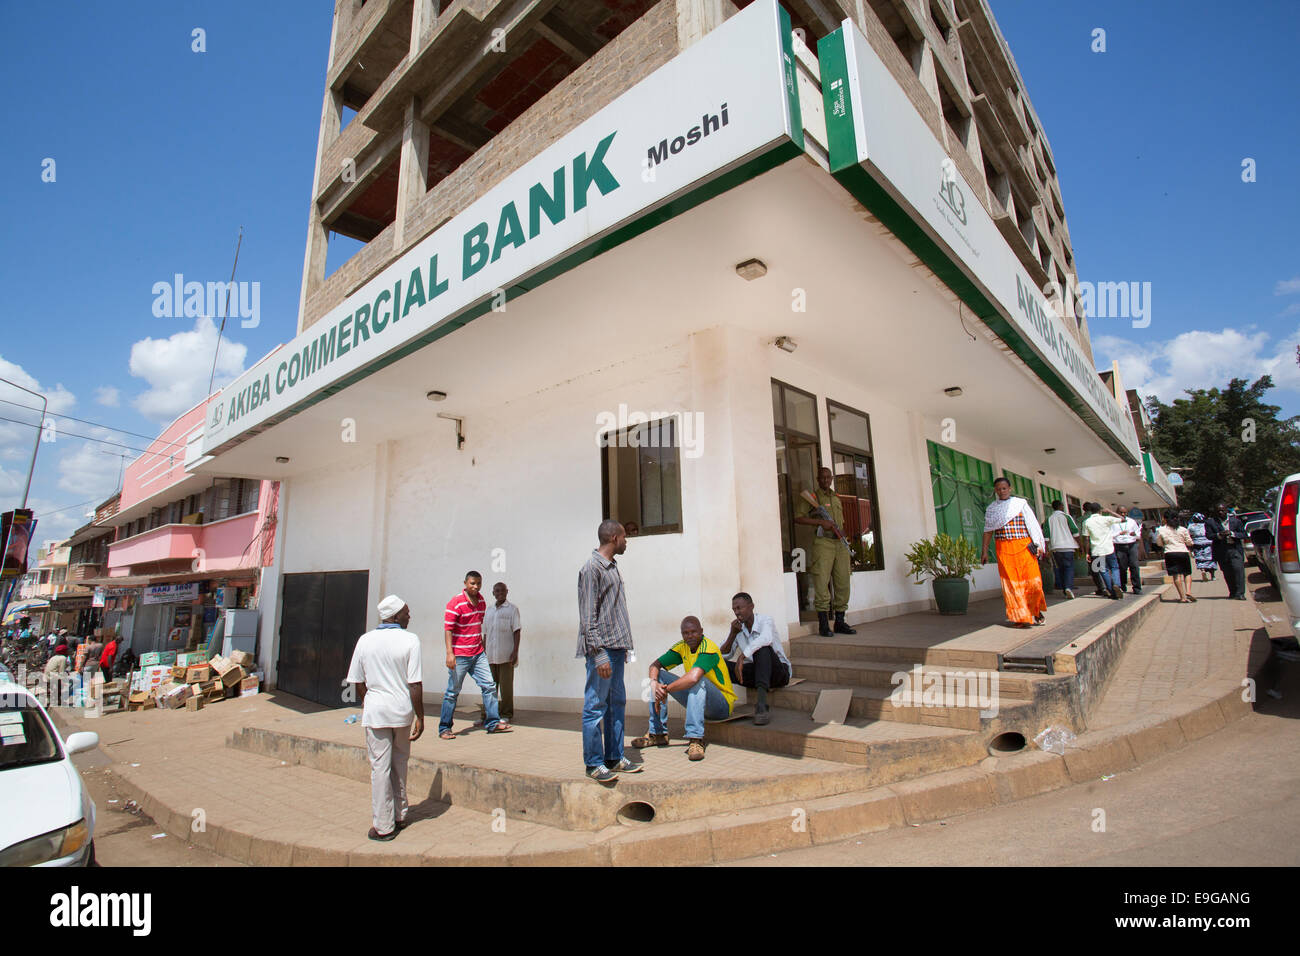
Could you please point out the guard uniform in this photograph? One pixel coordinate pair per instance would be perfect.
(830, 558)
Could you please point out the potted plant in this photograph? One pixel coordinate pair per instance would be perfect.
(948, 561)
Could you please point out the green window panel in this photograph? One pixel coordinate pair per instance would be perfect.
(1050, 494)
(963, 488)
(1022, 487)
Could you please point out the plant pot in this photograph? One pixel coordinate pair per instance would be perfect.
(952, 595)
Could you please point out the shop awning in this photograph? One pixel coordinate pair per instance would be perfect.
(24, 608)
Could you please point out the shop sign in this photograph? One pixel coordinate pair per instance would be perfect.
(170, 593)
(722, 111)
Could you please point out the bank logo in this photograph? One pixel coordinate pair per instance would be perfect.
(952, 196)
(216, 414)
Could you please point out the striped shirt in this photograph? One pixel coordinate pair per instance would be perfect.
(602, 610)
(465, 621)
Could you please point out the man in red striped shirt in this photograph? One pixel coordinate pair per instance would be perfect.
(463, 627)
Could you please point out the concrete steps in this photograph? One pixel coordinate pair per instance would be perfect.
(873, 703)
(876, 674)
(860, 648)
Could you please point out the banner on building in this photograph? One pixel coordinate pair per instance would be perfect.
(101, 594)
(719, 113)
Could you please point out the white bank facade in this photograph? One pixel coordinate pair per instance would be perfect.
(483, 402)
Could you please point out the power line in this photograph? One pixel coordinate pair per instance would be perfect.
(102, 441)
(86, 421)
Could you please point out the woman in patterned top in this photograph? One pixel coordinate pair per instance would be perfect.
(1019, 542)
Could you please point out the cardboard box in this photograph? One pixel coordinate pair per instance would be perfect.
(194, 703)
(178, 674)
(243, 659)
(250, 686)
(233, 675)
(175, 697)
(189, 658)
(150, 659)
(197, 673)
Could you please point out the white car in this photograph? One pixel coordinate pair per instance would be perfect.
(46, 816)
(1286, 547)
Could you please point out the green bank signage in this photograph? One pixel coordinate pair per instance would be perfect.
(721, 112)
(1158, 480)
(883, 152)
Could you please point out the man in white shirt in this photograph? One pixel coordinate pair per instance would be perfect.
(1127, 539)
(386, 671)
(1062, 536)
(501, 637)
(1100, 527)
(759, 662)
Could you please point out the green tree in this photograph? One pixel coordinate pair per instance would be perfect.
(1228, 445)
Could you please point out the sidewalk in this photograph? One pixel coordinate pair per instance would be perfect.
(267, 801)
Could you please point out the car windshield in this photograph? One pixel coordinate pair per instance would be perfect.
(26, 736)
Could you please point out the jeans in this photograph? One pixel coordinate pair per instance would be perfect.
(603, 704)
(1106, 566)
(1127, 556)
(1063, 562)
(478, 668)
(703, 702)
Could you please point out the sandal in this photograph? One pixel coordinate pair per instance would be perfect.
(501, 728)
(447, 735)
(1191, 599)
(650, 740)
(695, 750)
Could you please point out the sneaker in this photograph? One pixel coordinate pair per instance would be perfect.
(1069, 595)
(601, 774)
(762, 717)
(695, 750)
(382, 837)
(626, 766)
(650, 740)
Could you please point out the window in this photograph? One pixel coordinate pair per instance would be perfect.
(640, 473)
(1075, 508)
(798, 456)
(855, 484)
(963, 489)
(1050, 494)
(248, 490)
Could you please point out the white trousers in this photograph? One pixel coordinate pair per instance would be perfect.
(389, 749)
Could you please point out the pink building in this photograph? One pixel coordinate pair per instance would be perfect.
(185, 545)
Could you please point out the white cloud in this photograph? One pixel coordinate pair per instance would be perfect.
(1200, 359)
(89, 469)
(177, 369)
(108, 396)
(1287, 286)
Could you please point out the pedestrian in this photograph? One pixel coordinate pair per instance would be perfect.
(604, 639)
(1099, 526)
(463, 629)
(1203, 547)
(1011, 521)
(760, 662)
(108, 655)
(1178, 544)
(1063, 538)
(1228, 534)
(501, 636)
(831, 559)
(90, 663)
(704, 689)
(386, 670)
(1129, 552)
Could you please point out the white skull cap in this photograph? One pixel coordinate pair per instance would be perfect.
(389, 606)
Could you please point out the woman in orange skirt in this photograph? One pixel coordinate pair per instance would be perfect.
(1019, 542)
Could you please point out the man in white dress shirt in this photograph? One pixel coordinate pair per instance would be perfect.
(760, 662)
(386, 671)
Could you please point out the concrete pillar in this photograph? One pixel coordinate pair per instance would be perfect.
(695, 18)
(734, 477)
(423, 15)
(313, 269)
(413, 172)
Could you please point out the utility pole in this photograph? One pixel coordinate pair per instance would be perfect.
(40, 431)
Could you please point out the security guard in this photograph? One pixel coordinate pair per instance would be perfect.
(830, 564)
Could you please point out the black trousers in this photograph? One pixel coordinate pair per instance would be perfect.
(766, 670)
(1127, 556)
(1233, 563)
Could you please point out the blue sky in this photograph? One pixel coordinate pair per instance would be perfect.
(161, 154)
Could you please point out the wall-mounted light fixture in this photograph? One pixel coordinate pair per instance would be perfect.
(1049, 451)
(953, 391)
(786, 344)
(436, 396)
(751, 269)
(281, 460)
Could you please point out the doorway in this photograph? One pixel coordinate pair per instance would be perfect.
(324, 613)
